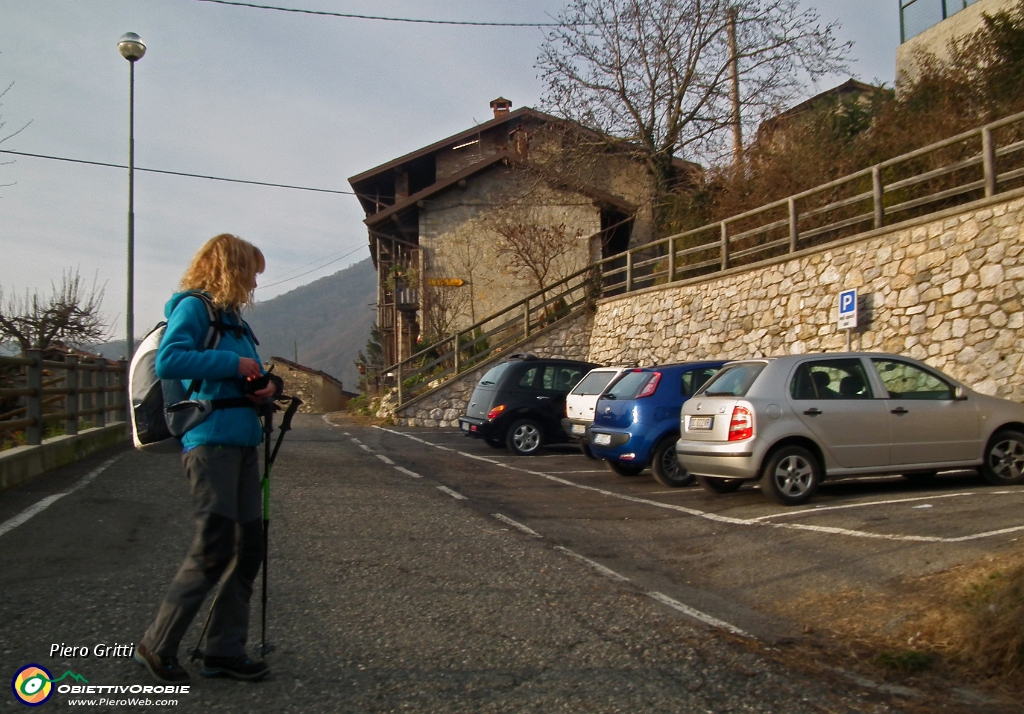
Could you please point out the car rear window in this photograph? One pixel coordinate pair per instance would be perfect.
(494, 374)
(593, 383)
(630, 385)
(733, 380)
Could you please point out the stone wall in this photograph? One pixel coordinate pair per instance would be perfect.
(566, 339)
(946, 290)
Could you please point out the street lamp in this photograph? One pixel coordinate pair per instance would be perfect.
(131, 48)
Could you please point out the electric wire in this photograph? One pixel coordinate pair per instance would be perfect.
(379, 17)
(178, 173)
(296, 277)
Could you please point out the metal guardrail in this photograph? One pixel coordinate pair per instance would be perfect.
(975, 164)
(91, 388)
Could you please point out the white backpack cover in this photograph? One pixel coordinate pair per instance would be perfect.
(162, 410)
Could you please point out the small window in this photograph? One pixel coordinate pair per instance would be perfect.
(494, 374)
(733, 380)
(630, 385)
(529, 378)
(695, 379)
(830, 379)
(906, 381)
(593, 383)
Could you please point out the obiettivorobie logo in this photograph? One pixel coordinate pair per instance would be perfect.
(33, 684)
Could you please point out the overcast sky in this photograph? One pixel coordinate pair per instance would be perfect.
(258, 95)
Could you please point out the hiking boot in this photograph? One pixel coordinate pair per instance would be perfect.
(164, 669)
(240, 667)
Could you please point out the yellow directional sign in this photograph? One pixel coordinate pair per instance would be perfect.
(446, 282)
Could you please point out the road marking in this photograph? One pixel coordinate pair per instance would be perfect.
(407, 472)
(758, 521)
(593, 471)
(822, 509)
(924, 505)
(607, 572)
(517, 525)
(453, 494)
(697, 614)
(364, 447)
(354, 440)
(45, 503)
(385, 459)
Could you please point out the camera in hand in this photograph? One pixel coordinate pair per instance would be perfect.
(254, 385)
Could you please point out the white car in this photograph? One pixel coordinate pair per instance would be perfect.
(581, 401)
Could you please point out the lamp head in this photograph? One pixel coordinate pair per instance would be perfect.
(131, 47)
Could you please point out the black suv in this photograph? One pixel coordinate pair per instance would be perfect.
(520, 403)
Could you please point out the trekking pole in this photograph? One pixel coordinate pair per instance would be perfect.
(268, 460)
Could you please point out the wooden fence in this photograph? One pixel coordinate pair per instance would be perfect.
(88, 389)
(973, 165)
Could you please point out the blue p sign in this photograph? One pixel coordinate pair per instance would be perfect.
(847, 302)
(848, 309)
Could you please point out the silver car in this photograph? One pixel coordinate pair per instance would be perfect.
(793, 421)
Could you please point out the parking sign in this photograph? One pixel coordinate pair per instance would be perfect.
(848, 309)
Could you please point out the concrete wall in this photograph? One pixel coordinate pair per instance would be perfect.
(936, 39)
(23, 463)
(567, 339)
(946, 289)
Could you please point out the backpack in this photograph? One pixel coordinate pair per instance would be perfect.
(162, 409)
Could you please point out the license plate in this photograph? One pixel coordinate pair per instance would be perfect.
(701, 422)
(465, 426)
(602, 439)
(579, 429)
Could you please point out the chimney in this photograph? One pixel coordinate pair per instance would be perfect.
(501, 107)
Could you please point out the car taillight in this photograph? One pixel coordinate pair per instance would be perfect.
(494, 413)
(741, 426)
(651, 386)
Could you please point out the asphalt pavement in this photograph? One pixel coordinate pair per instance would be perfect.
(407, 576)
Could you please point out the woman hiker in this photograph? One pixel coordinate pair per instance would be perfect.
(221, 462)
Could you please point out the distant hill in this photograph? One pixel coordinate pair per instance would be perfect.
(330, 319)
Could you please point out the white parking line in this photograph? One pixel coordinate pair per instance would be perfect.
(385, 459)
(364, 447)
(698, 615)
(607, 572)
(758, 521)
(517, 525)
(453, 494)
(45, 503)
(594, 471)
(407, 472)
(354, 440)
(822, 509)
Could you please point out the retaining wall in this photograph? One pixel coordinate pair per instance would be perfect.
(24, 463)
(945, 289)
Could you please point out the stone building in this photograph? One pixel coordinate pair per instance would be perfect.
(444, 220)
(929, 26)
(319, 391)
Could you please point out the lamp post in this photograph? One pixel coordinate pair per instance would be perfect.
(132, 49)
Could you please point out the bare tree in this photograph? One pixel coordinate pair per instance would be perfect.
(536, 251)
(657, 72)
(68, 314)
(4, 137)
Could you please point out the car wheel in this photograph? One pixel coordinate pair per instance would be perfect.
(719, 485)
(585, 450)
(624, 469)
(1004, 459)
(524, 438)
(791, 476)
(666, 467)
(495, 442)
(921, 477)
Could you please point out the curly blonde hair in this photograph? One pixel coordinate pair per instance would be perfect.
(226, 268)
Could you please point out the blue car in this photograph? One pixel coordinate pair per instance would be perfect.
(636, 421)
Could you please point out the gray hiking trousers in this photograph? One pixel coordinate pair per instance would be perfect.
(228, 547)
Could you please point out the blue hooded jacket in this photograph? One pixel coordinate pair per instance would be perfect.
(181, 356)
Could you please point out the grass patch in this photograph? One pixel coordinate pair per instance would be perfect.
(964, 624)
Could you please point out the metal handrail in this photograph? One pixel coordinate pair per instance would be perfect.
(608, 276)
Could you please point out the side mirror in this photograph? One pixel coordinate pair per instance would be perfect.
(960, 394)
